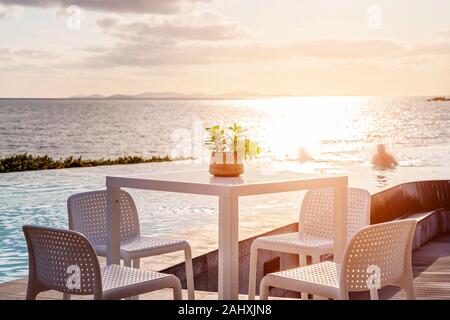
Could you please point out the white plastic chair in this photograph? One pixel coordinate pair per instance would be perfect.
(65, 261)
(377, 256)
(87, 215)
(316, 229)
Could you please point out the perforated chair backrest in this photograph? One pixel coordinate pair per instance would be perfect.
(316, 215)
(87, 215)
(386, 246)
(56, 255)
(358, 210)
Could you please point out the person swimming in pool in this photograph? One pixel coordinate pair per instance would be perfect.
(383, 159)
(303, 156)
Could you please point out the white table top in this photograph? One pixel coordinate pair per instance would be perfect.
(252, 182)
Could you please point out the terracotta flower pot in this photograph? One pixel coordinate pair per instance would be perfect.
(226, 164)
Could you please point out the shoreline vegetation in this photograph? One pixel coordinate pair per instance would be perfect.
(438, 99)
(28, 162)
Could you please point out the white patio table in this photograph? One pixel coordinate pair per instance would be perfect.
(228, 190)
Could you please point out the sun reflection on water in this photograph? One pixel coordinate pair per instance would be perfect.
(319, 125)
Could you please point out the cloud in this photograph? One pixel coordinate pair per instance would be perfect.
(157, 53)
(346, 49)
(21, 55)
(5, 54)
(195, 28)
(154, 54)
(426, 49)
(441, 34)
(34, 54)
(107, 23)
(11, 11)
(130, 6)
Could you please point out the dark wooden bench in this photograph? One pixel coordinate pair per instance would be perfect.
(426, 201)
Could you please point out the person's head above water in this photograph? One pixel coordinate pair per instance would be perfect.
(382, 158)
(381, 148)
(303, 156)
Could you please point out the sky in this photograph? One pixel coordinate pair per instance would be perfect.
(61, 48)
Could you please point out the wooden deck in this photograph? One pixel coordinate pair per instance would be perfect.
(431, 265)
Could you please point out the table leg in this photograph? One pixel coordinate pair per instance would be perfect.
(113, 225)
(228, 248)
(340, 221)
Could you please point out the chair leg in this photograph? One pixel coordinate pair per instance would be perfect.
(316, 259)
(33, 289)
(407, 284)
(304, 262)
(128, 262)
(252, 272)
(263, 290)
(176, 287)
(136, 263)
(31, 292)
(189, 272)
(343, 295)
(410, 290)
(374, 294)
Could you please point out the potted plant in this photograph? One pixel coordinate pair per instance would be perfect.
(228, 150)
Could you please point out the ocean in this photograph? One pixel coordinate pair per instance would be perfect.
(339, 133)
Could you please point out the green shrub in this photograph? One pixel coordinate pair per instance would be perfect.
(27, 162)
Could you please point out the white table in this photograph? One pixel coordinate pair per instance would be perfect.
(228, 190)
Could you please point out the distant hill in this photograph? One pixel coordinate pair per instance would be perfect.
(94, 96)
(119, 96)
(176, 95)
(438, 99)
(160, 95)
